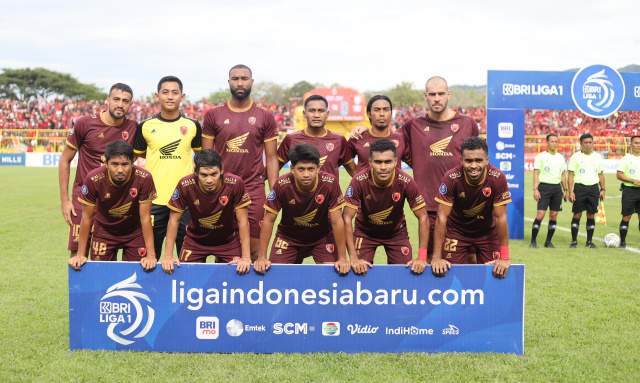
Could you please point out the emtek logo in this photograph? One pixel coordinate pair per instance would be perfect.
(207, 327)
(167, 151)
(505, 130)
(290, 328)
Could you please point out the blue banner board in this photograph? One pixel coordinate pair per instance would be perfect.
(12, 159)
(295, 308)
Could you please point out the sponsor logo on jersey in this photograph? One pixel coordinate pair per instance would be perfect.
(420, 199)
(306, 219)
(368, 196)
(455, 127)
(396, 197)
(320, 198)
(85, 190)
(226, 121)
(340, 199)
(598, 91)
(366, 145)
(210, 222)
(348, 194)
(443, 189)
(279, 250)
(506, 195)
(546, 168)
(167, 151)
(379, 218)
(437, 149)
(107, 196)
(187, 182)
(474, 211)
(252, 120)
(330, 247)
(120, 212)
(486, 191)
(272, 195)
(328, 178)
(292, 202)
(197, 202)
(426, 129)
(330, 146)
(223, 200)
(133, 192)
(175, 194)
(284, 181)
(405, 250)
(130, 314)
(404, 178)
(246, 197)
(184, 130)
(455, 175)
(142, 251)
(101, 135)
(322, 161)
(330, 328)
(153, 131)
(462, 195)
(234, 145)
(125, 135)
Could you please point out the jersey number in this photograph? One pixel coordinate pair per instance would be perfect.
(185, 255)
(450, 244)
(99, 248)
(280, 244)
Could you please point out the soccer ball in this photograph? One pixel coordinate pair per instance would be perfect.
(612, 240)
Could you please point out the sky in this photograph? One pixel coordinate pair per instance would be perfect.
(367, 45)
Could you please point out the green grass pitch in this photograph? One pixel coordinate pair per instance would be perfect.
(582, 314)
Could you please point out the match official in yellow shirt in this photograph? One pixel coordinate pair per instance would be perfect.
(628, 173)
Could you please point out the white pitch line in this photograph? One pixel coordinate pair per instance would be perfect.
(632, 249)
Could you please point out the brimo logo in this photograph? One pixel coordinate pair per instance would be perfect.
(115, 313)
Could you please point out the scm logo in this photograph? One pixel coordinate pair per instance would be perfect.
(290, 328)
(207, 327)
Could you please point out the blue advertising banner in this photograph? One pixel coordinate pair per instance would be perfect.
(505, 137)
(295, 308)
(12, 159)
(596, 90)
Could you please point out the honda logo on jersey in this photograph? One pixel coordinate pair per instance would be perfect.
(133, 192)
(223, 200)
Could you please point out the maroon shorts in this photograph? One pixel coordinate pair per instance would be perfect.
(398, 250)
(106, 249)
(74, 230)
(284, 252)
(256, 209)
(455, 250)
(194, 253)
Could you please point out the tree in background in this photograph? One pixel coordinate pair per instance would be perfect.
(219, 96)
(27, 84)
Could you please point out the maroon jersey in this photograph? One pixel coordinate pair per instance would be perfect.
(361, 147)
(433, 148)
(213, 219)
(90, 137)
(381, 213)
(472, 212)
(304, 219)
(117, 211)
(332, 147)
(240, 137)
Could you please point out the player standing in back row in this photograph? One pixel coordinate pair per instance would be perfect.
(240, 131)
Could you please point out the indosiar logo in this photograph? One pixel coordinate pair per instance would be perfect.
(598, 91)
(128, 313)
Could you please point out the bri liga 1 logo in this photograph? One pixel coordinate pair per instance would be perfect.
(598, 91)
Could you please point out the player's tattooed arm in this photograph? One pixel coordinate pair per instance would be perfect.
(64, 171)
(80, 258)
(440, 266)
(149, 261)
(262, 264)
(172, 232)
(358, 265)
(244, 263)
(418, 265)
(501, 265)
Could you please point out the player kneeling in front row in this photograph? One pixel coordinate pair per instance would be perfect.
(311, 225)
(379, 192)
(473, 201)
(121, 195)
(219, 216)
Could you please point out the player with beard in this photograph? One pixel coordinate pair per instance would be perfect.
(432, 145)
(333, 147)
(119, 197)
(241, 131)
(379, 110)
(472, 211)
(378, 193)
(89, 138)
(167, 141)
(306, 197)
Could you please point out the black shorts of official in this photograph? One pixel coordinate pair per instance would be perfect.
(160, 221)
(630, 200)
(550, 197)
(586, 198)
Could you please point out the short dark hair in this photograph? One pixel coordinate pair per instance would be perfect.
(551, 135)
(304, 153)
(240, 66)
(376, 98)
(169, 79)
(122, 87)
(382, 145)
(117, 149)
(585, 136)
(474, 143)
(207, 158)
(315, 97)
(631, 139)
